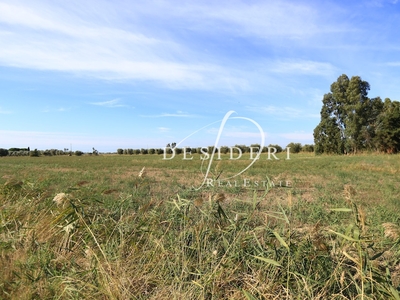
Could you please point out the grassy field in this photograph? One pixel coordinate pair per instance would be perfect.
(90, 227)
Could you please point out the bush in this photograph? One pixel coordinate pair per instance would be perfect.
(294, 147)
(3, 152)
(34, 153)
(277, 147)
(308, 148)
(78, 153)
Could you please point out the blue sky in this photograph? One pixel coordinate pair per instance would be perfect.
(138, 74)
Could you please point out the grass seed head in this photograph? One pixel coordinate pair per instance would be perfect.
(142, 173)
(60, 198)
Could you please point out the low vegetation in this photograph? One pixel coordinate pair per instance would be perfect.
(134, 227)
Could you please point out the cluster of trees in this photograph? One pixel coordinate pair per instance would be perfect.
(294, 148)
(140, 151)
(15, 152)
(352, 122)
(48, 152)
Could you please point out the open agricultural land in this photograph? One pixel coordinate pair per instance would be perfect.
(102, 227)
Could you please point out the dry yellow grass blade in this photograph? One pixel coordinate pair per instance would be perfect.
(142, 173)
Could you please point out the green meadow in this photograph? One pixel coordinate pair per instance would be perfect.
(102, 227)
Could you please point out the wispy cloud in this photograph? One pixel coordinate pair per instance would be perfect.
(306, 67)
(392, 64)
(285, 112)
(261, 19)
(45, 37)
(75, 38)
(298, 136)
(178, 114)
(239, 132)
(163, 129)
(62, 109)
(111, 103)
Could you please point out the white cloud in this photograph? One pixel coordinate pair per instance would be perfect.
(111, 103)
(285, 112)
(61, 109)
(306, 67)
(393, 64)
(45, 37)
(163, 129)
(178, 114)
(257, 18)
(298, 136)
(111, 44)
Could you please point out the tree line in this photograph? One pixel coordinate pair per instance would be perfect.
(294, 148)
(351, 122)
(47, 152)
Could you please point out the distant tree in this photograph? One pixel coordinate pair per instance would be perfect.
(152, 151)
(120, 151)
(78, 153)
(327, 137)
(255, 148)
(47, 153)
(243, 148)
(34, 153)
(294, 147)
(277, 147)
(224, 149)
(308, 148)
(348, 117)
(210, 149)
(136, 151)
(388, 130)
(3, 152)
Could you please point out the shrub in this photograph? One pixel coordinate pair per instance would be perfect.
(78, 153)
(34, 153)
(294, 147)
(277, 147)
(3, 152)
(308, 148)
